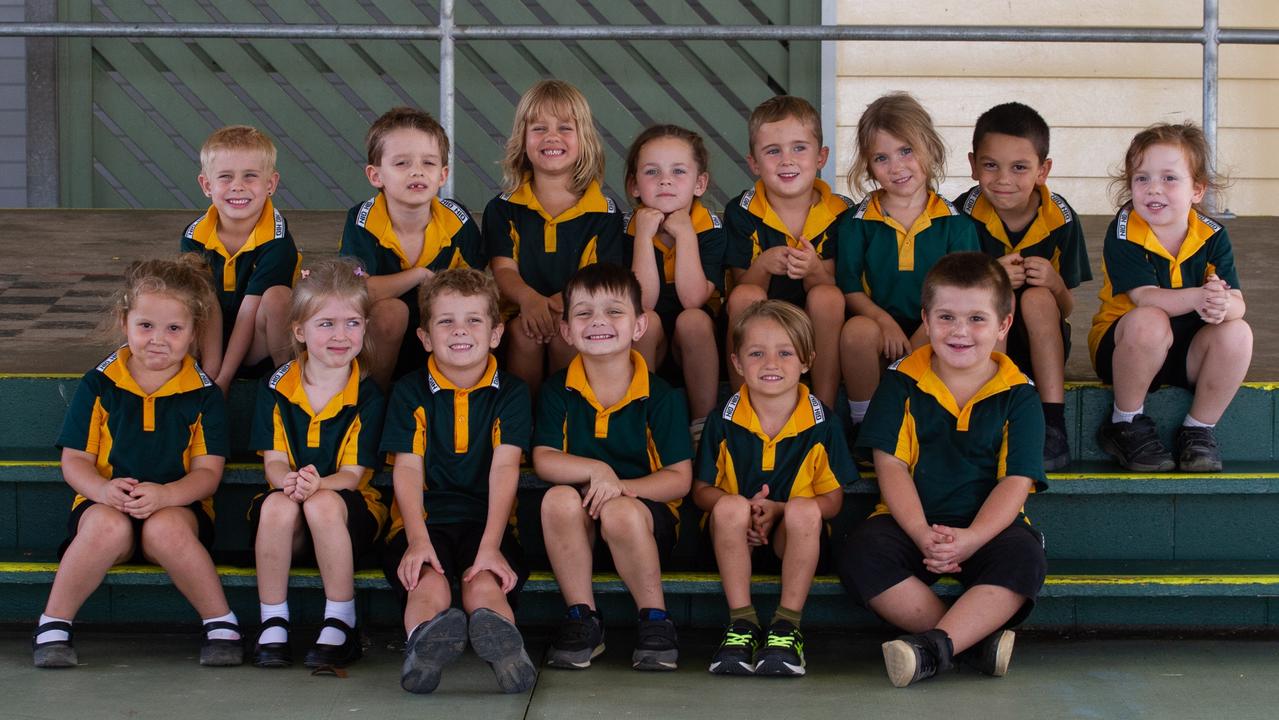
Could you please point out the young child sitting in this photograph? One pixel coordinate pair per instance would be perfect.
(887, 245)
(458, 427)
(770, 471)
(781, 240)
(957, 433)
(551, 219)
(406, 233)
(317, 424)
(1171, 308)
(675, 247)
(1039, 240)
(247, 244)
(612, 439)
(143, 445)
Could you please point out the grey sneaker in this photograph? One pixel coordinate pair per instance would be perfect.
(499, 643)
(431, 646)
(579, 641)
(1197, 450)
(656, 644)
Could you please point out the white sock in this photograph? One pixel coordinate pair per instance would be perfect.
(1118, 416)
(52, 635)
(857, 410)
(343, 610)
(1191, 422)
(274, 634)
(223, 634)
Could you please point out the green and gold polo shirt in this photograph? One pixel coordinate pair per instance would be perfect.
(1056, 234)
(451, 239)
(638, 435)
(886, 261)
(151, 438)
(267, 259)
(1133, 257)
(344, 432)
(752, 227)
(710, 247)
(549, 249)
(808, 456)
(956, 455)
(455, 429)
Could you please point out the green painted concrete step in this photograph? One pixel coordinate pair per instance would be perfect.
(32, 406)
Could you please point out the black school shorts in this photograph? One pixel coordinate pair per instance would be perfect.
(1173, 372)
(456, 545)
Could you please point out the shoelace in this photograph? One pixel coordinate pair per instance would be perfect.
(785, 641)
(576, 630)
(736, 639)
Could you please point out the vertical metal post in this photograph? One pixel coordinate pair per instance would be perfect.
(829, 108)
(1211, 85)
(446, 82)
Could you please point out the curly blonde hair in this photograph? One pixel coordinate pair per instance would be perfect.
(1187, 136)
(340, 278)
(899, 114)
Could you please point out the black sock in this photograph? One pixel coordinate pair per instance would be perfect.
(1055, 414)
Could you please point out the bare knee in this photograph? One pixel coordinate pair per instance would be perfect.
(694, 324)
(731, 512)
(389, 318)
(623, 518)
(325, 509)
(861, 332)
(106, 528)
(561, 504)
(824, 302)
(278, 509)
(168, 530)
(802, 514)
(1144, 328)
(275, 303)
(743, 296)
(1038, 306)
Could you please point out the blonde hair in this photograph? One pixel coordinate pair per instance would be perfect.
(404, 117)
(185, 278)
(793, 321)
(900, 115)
(466, 282)
(781, 107)
(237, 137)
(340, 278)
(1192, 142)
(554, 98)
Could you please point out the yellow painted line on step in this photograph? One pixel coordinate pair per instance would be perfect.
(28, 463)
(1162, 477)
(1074, 384)
(1168, 580)
(38, 376)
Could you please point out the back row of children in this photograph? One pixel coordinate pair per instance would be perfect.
(607, 432)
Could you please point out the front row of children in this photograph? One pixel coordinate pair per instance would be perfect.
(956, 432)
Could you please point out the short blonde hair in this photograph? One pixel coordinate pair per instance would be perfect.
(466, 282)
(237, 137)
(900, 115)
(185, 278)
(781, 107)
(793, 320)
(1193, 143)
(342, 278)
(554, 98)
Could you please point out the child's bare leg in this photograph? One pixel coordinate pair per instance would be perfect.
(652, 344)
(431, 597)
(279, 533)
(1142, 340)
(271, 334)
(919, 339)
(980, 611)
(484, 591)
(1042, 317)
(388, 323)
(568, 547)
(211, 343)
(825, 306)
(627, 526)
(170, 540)
(326, 517)
(1216, 363)
(910, 605)
(695, 350)
(559, 354)
(798, 543)
(860, 348)
(730, 519)
(524, 355)
(103, 538)
(742, 297)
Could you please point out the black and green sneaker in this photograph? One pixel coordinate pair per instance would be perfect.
(783, 651)
(736, 653)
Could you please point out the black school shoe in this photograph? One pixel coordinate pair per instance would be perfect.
(431, 646)
(335, 655)
(498, 642)
(1197, 450)
(911, 658)
(992, 654)
(579, 640)
(54, 653)
(783, 651)
(656, 644)
(272, 655)
(736, 652)
(1056, 448)
(221, 653)
(1135, 445)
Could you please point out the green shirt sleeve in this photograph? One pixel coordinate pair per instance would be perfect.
(668, 423)
(76, 432)
(360, 244)
(881, 429)
(496, 230)
(552, 411)
(275, 265)
(213, 422)
(470, 244)
(962, 234)
(1074, 254)
(371, 409)
(515, 413)
(850, 258)
(262, 431)
(1126, 264)
(400, 429)
(706, 468)
(608, 243)
(1222, 257)
(1025, 448)
(838, 456)
(738, 246)
(710, 247)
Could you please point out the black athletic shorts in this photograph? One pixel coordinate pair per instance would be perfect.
(360, 523)
(1173, 372)
(204, 529)
(456, 545)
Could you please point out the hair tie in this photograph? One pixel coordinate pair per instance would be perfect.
(359, 272)
(305, 274)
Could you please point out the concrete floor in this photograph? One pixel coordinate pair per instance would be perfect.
(141, 676)
(61, 264)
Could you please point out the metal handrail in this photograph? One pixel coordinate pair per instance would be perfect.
(1210, 35)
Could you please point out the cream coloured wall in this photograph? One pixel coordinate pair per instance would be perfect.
(1095, 96)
